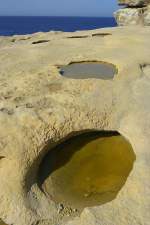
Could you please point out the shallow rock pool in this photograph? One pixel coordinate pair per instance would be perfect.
(86, 70)
(87, 170)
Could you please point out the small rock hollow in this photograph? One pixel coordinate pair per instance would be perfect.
(85, 70)
(86, 170)
(100, 34)
(84, 36)
(40, 42)
(2, 223)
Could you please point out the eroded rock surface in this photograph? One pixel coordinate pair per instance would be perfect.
(134, 2)
(39, 108)
(136, 12)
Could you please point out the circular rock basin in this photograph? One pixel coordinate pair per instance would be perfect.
(85, 70)
(87, 170)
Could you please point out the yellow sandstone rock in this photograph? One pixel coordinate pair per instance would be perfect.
(39, 108)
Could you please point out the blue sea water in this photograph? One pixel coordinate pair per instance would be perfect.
(27, 25)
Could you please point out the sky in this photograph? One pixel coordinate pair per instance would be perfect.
(58, 7)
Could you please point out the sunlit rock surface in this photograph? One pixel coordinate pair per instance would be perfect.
(39, 108)
(147, 16)
(135, 13)
(129, 16)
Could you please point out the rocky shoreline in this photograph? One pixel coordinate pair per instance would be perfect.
(39, 108)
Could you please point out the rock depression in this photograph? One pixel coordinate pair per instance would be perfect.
(82, 171)
(41, 110)
(85, 70)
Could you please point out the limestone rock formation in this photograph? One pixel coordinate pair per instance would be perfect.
(39, 108)
(136, 12)
(146, 16)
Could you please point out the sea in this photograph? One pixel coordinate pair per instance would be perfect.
(17, 25)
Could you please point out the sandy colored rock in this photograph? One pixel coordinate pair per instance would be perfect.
(147, 16)
(39, 107)
(129, 16)
(136, 12)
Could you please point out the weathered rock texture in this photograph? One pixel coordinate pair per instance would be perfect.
(39, 107)
(134, 2)
(135, 13)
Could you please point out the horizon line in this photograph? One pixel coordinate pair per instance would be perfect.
(110, 16)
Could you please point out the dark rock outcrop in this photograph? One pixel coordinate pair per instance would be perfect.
(133, 3)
